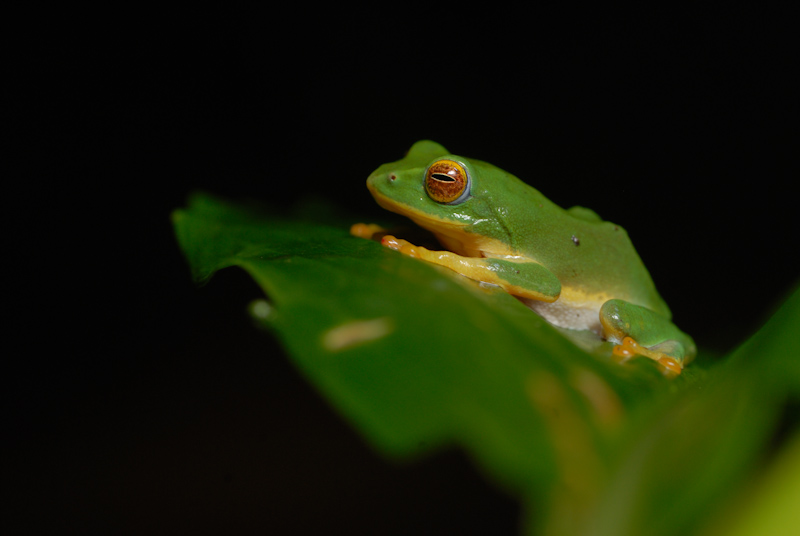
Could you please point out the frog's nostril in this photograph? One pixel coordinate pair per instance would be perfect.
(392, 176)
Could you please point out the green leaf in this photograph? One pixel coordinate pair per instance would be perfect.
(417, 357)
(682, 461)
(770, 506)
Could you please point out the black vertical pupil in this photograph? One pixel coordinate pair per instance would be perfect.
(442, 177)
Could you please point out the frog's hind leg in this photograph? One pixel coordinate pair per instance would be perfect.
(637, 330)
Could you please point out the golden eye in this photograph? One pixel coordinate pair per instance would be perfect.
(446, 181)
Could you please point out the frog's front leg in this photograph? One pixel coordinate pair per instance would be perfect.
(639, 331)
(517, 276)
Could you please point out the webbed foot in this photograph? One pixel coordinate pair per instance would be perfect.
(630, 348)
(370, 231)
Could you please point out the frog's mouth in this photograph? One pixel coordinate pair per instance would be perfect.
(452, 235)
(423, 219)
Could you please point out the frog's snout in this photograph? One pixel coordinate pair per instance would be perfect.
(371, 182)
(378, 181)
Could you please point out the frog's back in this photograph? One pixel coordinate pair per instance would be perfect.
(591, 257)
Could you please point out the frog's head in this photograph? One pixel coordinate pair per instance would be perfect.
(454, 197)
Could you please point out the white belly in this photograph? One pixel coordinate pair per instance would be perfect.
(568, 315)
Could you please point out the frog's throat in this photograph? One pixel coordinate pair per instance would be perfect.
(452, 234)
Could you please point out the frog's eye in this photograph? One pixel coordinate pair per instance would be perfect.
(446, 181)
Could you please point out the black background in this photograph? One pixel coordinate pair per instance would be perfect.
(145, 404)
